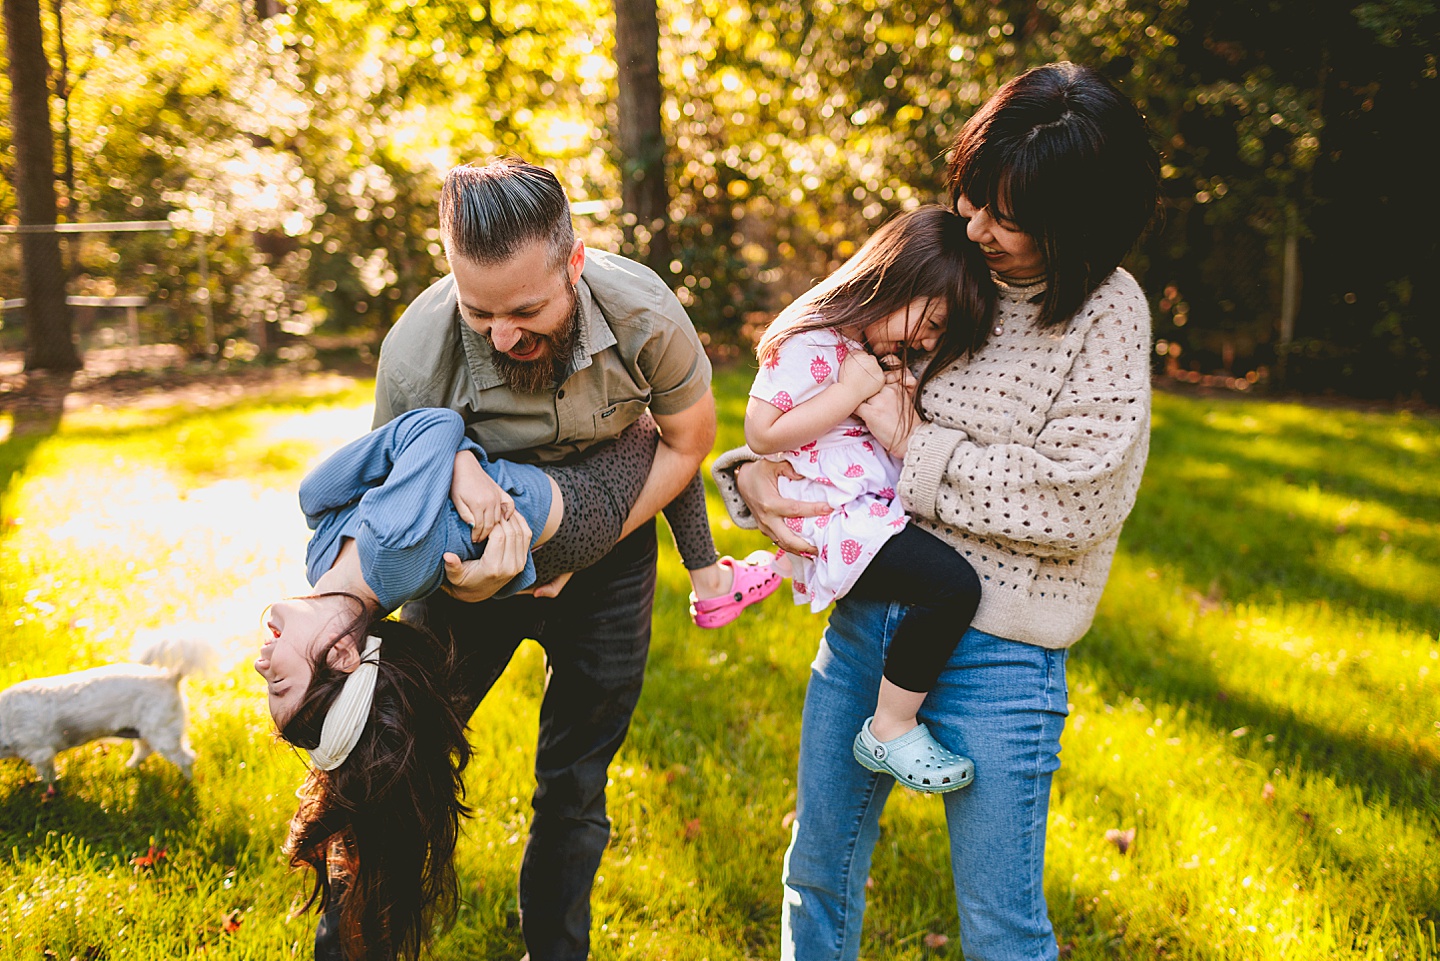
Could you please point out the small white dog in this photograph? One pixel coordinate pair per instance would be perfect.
(45, 715)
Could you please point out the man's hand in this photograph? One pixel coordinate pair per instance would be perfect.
(503, 558)
(480, 501)
(759, 485)
(554, 586)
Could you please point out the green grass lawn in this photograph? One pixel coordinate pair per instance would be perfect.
(1257, 700)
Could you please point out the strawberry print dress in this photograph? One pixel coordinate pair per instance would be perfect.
(847, 468)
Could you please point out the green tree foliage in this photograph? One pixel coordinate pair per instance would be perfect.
(306, 149)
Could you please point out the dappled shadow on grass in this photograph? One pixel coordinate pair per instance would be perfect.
(1381, 770)
(1217, 531)
(116, 812)
(1344, 463)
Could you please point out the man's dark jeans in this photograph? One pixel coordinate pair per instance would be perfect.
(596, 636)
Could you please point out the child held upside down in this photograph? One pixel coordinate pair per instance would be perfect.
(819, 363)
(394, 510)
(375, 701)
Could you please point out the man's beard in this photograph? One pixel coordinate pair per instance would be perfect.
(545, 371)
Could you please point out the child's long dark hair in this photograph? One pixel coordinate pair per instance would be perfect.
(388, 817)
(922, 254)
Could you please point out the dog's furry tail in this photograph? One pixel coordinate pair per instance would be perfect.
(183, 655)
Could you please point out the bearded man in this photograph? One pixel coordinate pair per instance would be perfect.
(547, 349)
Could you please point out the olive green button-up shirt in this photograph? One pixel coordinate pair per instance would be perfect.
(636, 349)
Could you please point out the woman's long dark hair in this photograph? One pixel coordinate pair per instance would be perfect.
(1064, 156)
(922, 254)
(387, 819)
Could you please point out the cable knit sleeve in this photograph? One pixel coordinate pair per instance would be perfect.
(724, 470)
(1061, 471)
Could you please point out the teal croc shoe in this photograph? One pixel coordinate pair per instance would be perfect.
(914, 759)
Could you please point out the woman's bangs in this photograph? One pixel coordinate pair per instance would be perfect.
(978, 175)
(1019, 197)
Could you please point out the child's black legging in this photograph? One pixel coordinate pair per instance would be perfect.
(599, 490)
(917, 568)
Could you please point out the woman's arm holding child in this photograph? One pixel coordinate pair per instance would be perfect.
(769, 430)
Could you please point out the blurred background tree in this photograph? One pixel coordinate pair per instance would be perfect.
(49, 345)
(297, 148)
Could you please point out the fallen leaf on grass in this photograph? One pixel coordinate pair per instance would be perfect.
(150, 858)
(1267, 793)
(1067, 949)
(231, 924)
(692, 829)
(933, 941)
(1306, 816)
(1121, 839)
(787, 820)
(1212, 600)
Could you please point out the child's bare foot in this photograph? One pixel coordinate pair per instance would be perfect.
(889, 728)
(895, 710)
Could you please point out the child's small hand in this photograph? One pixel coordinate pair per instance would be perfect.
(897, 373)
(862, 374)
(480, 501)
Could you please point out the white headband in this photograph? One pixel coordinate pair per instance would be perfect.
(347, 716)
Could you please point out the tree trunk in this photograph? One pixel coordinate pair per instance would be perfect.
(50, 345)
(646, 194)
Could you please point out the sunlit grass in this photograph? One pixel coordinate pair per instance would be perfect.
(1257, 700)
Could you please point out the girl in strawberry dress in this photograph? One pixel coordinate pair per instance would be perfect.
(821, 361)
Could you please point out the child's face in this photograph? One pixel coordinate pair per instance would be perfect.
(298, 629)
(917, 326)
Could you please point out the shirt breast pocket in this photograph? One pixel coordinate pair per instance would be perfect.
(611, 420)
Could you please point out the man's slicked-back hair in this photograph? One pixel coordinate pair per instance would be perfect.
(489, 212)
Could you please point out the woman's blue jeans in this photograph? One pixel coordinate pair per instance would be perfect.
(999, 702)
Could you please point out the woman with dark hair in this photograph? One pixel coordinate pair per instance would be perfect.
(1025, 458)
(378, 704)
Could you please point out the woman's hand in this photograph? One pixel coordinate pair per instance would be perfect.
(891, 417)
(504, 557)
(480, 501)
(759, 485)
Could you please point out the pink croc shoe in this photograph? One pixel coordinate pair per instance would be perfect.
(753, 579)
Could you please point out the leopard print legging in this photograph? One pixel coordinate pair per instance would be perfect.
(599, 491)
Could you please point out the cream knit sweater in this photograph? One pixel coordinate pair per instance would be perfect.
(1030, 459)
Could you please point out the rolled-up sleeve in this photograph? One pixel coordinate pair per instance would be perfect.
(673, 361)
